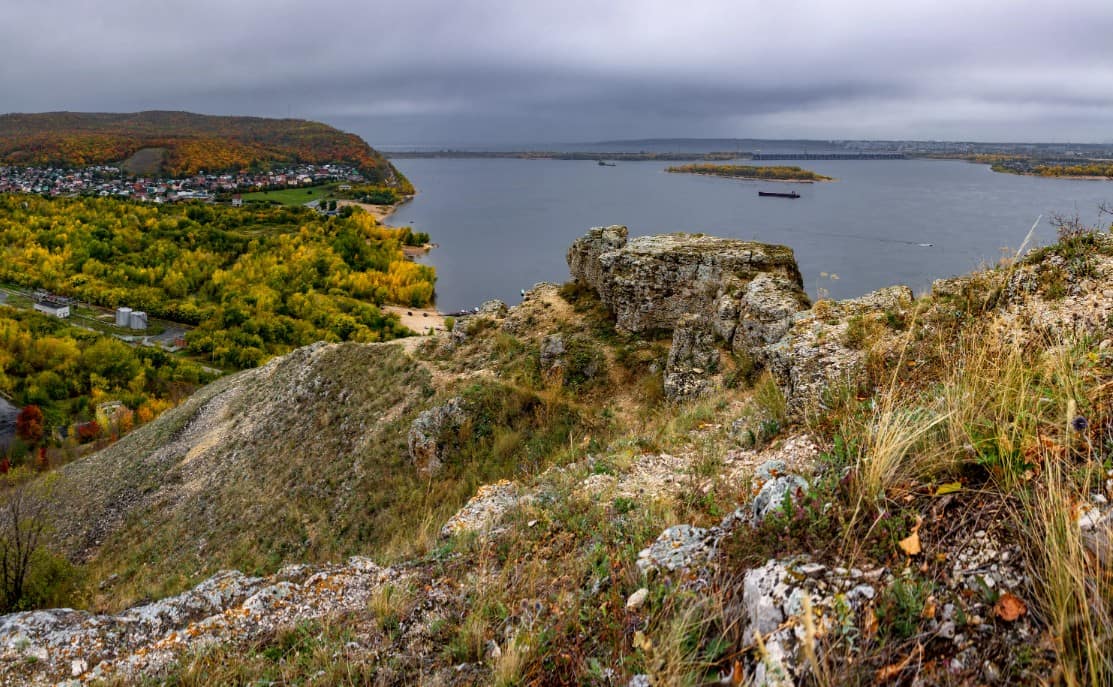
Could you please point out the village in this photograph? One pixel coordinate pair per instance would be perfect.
(106, 180)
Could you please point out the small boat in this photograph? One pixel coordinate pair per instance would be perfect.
(603, 163)
(777, 194)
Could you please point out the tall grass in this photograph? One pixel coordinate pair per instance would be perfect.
(1026, 414)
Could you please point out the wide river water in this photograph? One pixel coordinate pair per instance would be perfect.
(503, 224)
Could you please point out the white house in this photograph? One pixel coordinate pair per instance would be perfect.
(54, 308)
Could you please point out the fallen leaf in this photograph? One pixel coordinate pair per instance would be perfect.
(929, 609)
(948, 488)
(911, 544)
(869, 623)
(894, 669)
(1009, 607)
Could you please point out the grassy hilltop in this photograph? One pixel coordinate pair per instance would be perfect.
(886, 490)
(182, 143)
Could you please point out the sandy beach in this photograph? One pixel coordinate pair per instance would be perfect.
(420, 320)
(380, 212)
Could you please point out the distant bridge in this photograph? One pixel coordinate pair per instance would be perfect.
(829, 156)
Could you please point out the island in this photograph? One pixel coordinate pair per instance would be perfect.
(753, 172)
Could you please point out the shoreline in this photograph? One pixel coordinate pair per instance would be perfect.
(418, 320)
(379, 212)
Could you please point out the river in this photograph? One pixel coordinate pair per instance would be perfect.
(8, 413)
(504, 224)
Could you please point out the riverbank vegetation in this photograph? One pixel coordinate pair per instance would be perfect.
(253, 282)
(1090, 170)
(764, 173)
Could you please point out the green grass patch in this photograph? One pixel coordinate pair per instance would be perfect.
(292, 196)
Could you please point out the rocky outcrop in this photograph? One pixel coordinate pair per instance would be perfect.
(44, 647)
(651, 282)
(584, 256)
(693, 359)
(426, 436)
(482, 511)
(747, 294)
(817, 351)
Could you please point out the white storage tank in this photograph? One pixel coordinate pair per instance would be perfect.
(123, 317)
(138, 320)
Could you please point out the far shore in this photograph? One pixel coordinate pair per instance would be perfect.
(1054, 176)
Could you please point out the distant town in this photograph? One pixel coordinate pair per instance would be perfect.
(110, 181)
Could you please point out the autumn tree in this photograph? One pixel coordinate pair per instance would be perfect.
(29, 424)
(30, 575)
(21, 528)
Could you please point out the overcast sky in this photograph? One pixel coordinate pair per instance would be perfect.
(468, 72)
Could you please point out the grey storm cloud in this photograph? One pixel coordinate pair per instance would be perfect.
(467, 71)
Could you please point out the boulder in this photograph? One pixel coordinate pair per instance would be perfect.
(552, 352)
(651, 282)
(426, 436)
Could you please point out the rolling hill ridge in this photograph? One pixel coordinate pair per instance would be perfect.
(182, 143)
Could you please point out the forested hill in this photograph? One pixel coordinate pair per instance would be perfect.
(186, 142)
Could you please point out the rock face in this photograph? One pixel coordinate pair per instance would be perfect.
(813, 355)
(693, 359)
(427, 430)
(650, 282)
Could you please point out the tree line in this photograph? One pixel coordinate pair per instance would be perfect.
(772, 172)
(254, 282)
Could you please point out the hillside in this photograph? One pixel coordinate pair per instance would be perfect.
(673, 470)
(182, 143)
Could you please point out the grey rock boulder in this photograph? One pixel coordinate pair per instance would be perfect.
(425, 440)
(650, 282)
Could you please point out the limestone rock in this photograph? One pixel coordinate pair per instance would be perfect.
(484, 509)
(774, 492)
(693, 359)
(426, 433)
(766, 311)
(651, 282)
(812, 356)
(493, 308)
(773, 603)
(585, 253)
(678, 547)
(637, 599)
(51, 647)
(552, 352)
